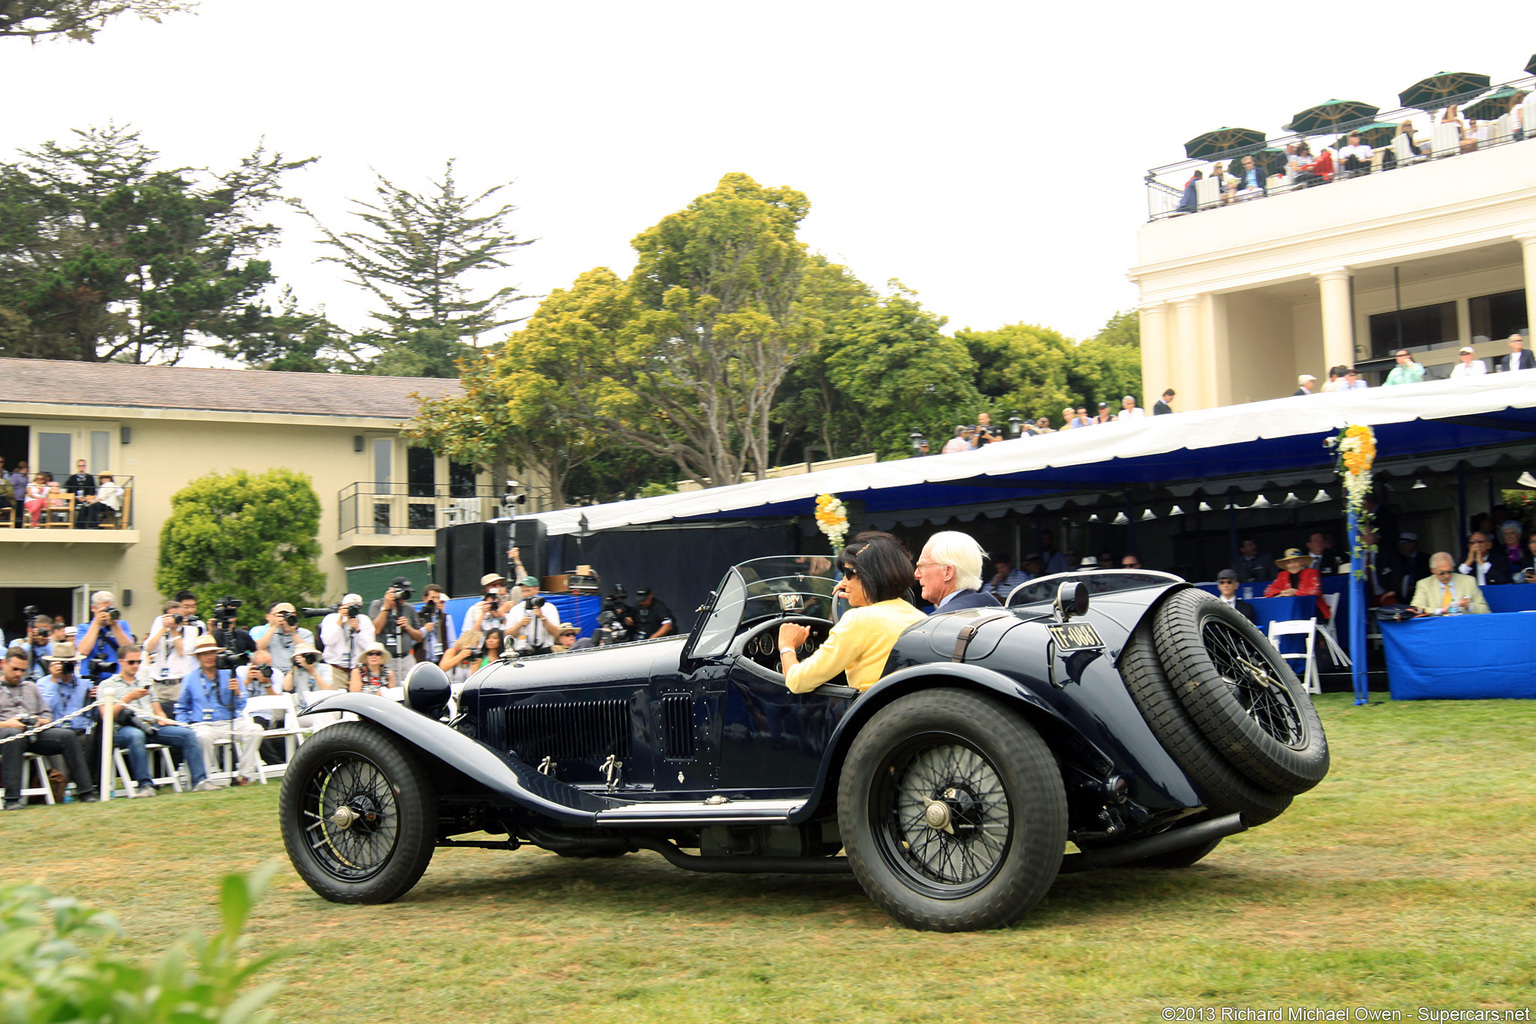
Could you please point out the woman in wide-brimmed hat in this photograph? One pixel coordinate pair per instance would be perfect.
(1297, 578)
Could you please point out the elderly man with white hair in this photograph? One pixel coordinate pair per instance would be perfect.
(949, 571)
(102, 635)
(346, 633)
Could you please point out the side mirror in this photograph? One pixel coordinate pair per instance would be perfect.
(1071, 600)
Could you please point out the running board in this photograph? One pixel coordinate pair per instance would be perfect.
(1164, 842)
(713, 811)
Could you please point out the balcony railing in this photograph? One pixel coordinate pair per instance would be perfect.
(70, 513)
(1173, 192)
(370, 507)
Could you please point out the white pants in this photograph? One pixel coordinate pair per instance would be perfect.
(247, 738)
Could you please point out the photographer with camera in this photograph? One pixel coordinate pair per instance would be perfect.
(67, 694)
(493, 608)
(23, 707)
(397, 626)
(305, 676)
(239, 648)
(438, 630)
(169, 644)
(137, 722)
(102, 636)
(652, 619)
(533, 623)
(211, 702)
(345, 633)
(281, 636)
(39, 642)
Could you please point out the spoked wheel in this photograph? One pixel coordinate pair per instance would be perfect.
(952, 812)
(358, 816)
(1241, 693)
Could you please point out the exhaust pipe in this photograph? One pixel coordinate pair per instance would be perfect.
(1164, 842)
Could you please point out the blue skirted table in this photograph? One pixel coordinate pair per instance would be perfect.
(1462, 657)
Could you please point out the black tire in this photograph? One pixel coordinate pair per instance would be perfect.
(380, 853)
(1225, 788)
(1240, 692)
(999, 829)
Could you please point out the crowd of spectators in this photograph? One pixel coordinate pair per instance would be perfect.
(969, 437)
(81, 501)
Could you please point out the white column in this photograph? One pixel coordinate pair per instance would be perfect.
(1528, 250)
(1338, 317)
(1187, 369)
(1156, 358)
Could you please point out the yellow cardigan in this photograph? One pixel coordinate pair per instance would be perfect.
(859, 644)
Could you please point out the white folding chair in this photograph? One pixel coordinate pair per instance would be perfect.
(285, 718)
(1402, 151)
(1299, 627)
(1207, 193)
(1501, 131)
(158, 752)
(36, 764)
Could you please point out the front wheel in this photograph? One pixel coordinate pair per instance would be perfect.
(359, 817)
(952, 812)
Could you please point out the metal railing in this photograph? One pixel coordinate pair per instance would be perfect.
(71, 513)
(372, 507)
(1172, 190)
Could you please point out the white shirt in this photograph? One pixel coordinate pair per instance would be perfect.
(1478, 572)
(1362, 153)
(1135, 412)
(333, 634)
(162, 661)
(541, 629)
(1476, 368)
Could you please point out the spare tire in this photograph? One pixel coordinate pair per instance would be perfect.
(1240, 692)
(1226, 789)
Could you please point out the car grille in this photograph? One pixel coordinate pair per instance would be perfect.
(565, 732)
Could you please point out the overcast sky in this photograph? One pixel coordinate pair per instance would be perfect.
(989, 155)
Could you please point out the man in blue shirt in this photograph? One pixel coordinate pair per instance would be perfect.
(103, 634)
(65, 694)
(211, 703)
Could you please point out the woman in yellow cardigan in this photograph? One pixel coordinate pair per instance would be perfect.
(877, 573)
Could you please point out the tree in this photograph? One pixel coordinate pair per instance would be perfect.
(1107, 366)
(895, 373)
(1023, 368)
(76, 19)
(251, 536)
(417, 256)
(290, 339)
(516, 408)
(108, 257)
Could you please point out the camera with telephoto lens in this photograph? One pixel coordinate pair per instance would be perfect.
(536, 602)
(99, 668)
(615, 600)
(609, 630)
(290, 619)
(226, 608)
(402, 591)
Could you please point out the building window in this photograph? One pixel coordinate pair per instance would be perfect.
(461, 479)
(1420, 327)
(1497, 316)
(53, 454)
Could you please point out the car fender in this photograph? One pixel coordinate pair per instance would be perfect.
(504, 775)
(918, 677)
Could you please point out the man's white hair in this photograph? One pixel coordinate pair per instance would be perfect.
(103, 597)
(951, 547)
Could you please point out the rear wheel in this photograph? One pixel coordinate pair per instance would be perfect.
(359, 817)
(952, 812)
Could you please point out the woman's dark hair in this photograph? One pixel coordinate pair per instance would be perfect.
(882, 563)
(501, 639)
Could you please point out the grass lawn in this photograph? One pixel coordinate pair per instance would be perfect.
(1403, 881)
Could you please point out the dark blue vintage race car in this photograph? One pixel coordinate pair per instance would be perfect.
(1124, 712)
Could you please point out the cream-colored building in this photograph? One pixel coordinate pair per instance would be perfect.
(1238, 300)
(155, 428)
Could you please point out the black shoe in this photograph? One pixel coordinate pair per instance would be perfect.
(15, 805)
(86, 796)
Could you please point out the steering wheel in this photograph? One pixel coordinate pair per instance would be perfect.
(758, 646)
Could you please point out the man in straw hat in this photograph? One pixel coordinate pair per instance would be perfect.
(21, 707)
(211, 703)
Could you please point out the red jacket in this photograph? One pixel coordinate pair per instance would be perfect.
(1308, 582)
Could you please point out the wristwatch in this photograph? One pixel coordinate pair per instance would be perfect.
(786, 650)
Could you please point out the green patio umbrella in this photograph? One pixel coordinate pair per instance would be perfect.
(1330, 115)
(1495, 104)
(1530, 65)
(1442, 90)
(1222, 142)
(1377, 135)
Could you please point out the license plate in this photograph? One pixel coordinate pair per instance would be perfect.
(1076, 636)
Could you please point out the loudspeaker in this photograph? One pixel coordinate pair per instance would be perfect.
(465, 552)
(532, 541)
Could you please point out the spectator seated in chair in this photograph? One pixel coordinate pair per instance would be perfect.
(22, 707)
(1226, 586)
(1297, 579)
(1446, 591)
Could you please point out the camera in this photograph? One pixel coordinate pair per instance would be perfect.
(290, 618)
(27, 721)
(179, 619)
(31, 612)
(265, 671)
(114, 614)
(615, 601)
(402, 591)
(227, 607)
(609, 630)
(99, 668)
(308, 657)
(536, 602)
